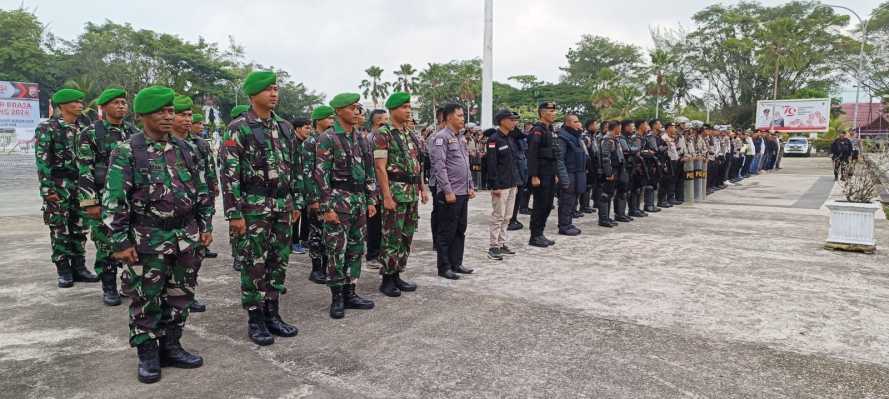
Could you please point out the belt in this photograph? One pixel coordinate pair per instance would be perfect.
(349, 186)
(265, 191)
(404, 178)
(60, 173)
(163, 223)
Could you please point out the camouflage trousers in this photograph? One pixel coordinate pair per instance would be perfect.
(345, 247)
(398, 232)
(161, 294)
(316, 237)
(265, 251)
(65, 221)
(99, 235)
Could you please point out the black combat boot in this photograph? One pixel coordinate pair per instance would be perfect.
(404, 286)
(256, 327)
(149, 362)
(110, 296)
(274, 323)
(388, 287)
(210, 254)
(173, 355)
(538, 241)
(197, 306)
(66, 277)
(236, 266)
(649, 201)
(317, 275)
(352, 301)
(620, 209)
(81, 275)
(337, 307)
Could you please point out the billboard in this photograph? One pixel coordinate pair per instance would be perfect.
(809, 115)
(19, 108)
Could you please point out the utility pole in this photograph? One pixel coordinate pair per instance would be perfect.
(488, 67)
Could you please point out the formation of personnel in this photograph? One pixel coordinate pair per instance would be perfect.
(148, 195)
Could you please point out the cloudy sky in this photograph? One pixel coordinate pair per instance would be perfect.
(328, 44)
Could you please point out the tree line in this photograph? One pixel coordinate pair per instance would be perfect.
(732, 56)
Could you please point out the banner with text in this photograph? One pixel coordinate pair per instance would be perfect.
(19, 108)
(810, 115)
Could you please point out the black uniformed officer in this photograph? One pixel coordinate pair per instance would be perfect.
(543, 164)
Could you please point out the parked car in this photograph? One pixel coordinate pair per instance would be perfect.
(798, 146)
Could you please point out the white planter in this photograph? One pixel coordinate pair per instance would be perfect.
(852, 224)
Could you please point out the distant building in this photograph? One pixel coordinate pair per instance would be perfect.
(873, 119)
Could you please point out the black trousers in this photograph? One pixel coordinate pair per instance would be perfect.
(301, 229)
(543, 204)
(679, 180)
(374, 236)
(451, 227)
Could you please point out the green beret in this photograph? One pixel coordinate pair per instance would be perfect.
(238, 110)
(397, 99)
(66, 96)
(151, 99)
(258, 81)
(110, 94)
(197, 117)
(321, 112)
(182, 103)
(343, 100)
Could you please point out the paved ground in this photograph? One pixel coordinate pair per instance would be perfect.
(730, 299)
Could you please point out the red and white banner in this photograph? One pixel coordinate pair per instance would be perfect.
(809, 115)
(19, 108)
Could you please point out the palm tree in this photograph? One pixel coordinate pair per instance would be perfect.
(405, 78)
(375, 88)
(661, 61)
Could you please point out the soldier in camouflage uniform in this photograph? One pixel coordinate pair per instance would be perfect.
(259, 190)
(236, 242)
(96, 144)
(203, 144)
(345, 177)
(397, 157)
(322, 118)
(156, 205)
(182, 123)
(56, 157)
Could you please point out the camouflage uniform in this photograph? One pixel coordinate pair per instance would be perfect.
(56, 157)
(259, 184)
(403, 153)
(92, 164)
(346, 184)
(317, 251)
(157, 200)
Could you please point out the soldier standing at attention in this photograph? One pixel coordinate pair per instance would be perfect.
(344, 174)
(259, 186)
(157, 208)
(322, 118)
(198, 138)
(611, 172)
(236, 242)
(96, 145)
(378, 119)
(56, 156)
(182, 107)
(543, 165)
(399, 170)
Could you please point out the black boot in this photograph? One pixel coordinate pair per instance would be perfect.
(149, 362)
(337, 307)
(649, 201)
(197, 306)
(274, 323)
(236, 266)
(66, 277)
(256, 327)
(388, 287)
(110, 296)
(352, 301)
(448, 274)
(210, 254)
(538, 241)
(317, 275)
(404, 286)
(81, 275)
(514, 225)
(173, 355)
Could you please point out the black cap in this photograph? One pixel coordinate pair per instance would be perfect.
(546, 105)
(503, 114)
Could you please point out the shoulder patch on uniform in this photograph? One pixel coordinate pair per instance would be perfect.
(231, 143)
(492, 145)
(439, 141)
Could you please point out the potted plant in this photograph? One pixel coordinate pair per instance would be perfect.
(852, 220)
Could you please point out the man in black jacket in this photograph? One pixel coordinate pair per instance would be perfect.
(543, 164)
(574, 156)
(610, 172)
(840, 152)
(502, 177)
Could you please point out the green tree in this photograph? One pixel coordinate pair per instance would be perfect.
(404, 78)
(22, 57)
(374, 88)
